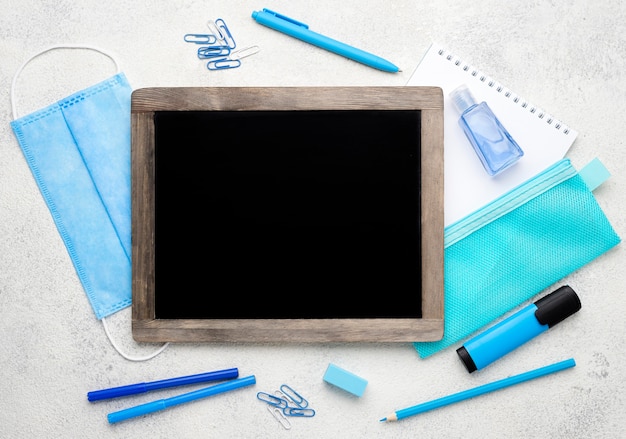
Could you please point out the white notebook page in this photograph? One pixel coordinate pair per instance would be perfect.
(543, 138)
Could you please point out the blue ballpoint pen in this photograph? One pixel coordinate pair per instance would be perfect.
(301, 31)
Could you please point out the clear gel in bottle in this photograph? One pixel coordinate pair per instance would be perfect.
(492, 142)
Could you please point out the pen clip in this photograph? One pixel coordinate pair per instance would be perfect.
(284, 17)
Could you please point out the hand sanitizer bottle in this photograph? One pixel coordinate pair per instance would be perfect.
(492, 142)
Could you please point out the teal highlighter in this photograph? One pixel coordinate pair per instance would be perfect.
(519, 328)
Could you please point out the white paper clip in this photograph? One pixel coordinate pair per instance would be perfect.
(279, 416)
(242, 53)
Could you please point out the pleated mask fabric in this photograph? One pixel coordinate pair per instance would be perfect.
(78, 150)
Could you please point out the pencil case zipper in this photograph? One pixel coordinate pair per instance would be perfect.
(537, 185)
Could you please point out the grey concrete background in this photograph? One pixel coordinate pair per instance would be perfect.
(565, 56)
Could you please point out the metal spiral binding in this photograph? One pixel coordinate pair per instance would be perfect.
(550, 120)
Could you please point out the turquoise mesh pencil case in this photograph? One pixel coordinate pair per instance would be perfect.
(520, 244)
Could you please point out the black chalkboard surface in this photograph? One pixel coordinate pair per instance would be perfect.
(261, 211)
(265, 219)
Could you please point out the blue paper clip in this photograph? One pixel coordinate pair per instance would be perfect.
(282, 401)
(275, 401)
(200, 38)
(230, 41)
(293, 411)
(232, 60)
(219, 28)
(294, 396)
(205, 52)
(223, 63)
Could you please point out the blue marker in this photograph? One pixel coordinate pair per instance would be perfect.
(516, 330)
(162, 404)
(134, 389)
(301, 31)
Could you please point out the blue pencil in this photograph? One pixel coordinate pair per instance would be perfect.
(480, 390)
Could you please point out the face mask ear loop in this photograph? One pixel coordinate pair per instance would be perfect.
(60, 46)
(14, 110)
(126, 356)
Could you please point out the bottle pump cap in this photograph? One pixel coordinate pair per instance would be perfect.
(462, 98)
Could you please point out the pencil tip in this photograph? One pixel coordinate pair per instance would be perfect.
(383, 420)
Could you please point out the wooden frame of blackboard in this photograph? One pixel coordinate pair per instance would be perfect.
(426, 101)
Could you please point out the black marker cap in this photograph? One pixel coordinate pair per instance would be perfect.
(467, 359)
(557, 306)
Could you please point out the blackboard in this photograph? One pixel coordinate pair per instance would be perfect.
(287, 214)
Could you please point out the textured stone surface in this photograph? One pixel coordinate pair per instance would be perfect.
(566, 56)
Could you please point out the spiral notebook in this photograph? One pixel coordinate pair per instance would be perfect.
(544, 139)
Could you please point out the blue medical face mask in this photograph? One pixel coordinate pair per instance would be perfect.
(78, 150)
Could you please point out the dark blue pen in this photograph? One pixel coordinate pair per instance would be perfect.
(134, 389)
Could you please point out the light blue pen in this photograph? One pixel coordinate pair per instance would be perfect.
(162, 404)
(301, 31)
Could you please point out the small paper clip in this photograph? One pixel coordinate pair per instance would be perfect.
(205, 52)
(280, 417)
(294, 396)
(227, 36)
(292, 411)
(232, 60)
(219, 28)
(223, 63)
(242, 53)
(200, 38)
(280, 407)
(215, 31)
(275, 401)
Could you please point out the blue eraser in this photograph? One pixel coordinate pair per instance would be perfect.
(345, 380)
